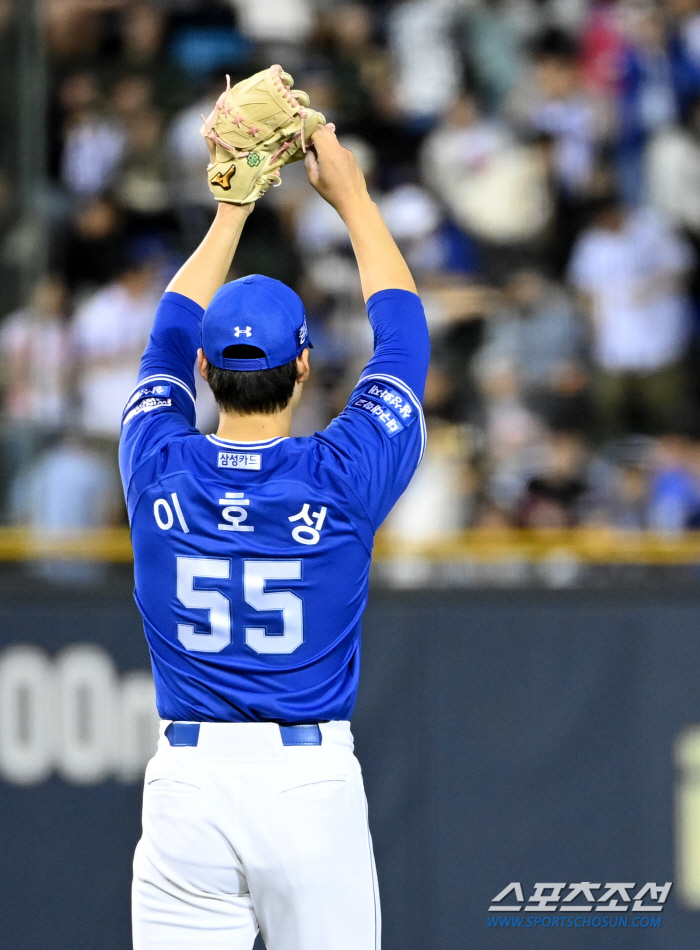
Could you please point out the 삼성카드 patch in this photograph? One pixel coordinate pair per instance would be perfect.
(246, 460)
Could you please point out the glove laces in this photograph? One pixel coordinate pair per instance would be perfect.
(223, 106)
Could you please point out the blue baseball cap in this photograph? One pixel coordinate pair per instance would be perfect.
(259, 312)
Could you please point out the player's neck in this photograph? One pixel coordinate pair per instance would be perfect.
(255, 428)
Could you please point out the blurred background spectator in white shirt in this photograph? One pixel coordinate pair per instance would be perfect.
(632, 267)
(70, 488)
(36, 366)
(110, 331)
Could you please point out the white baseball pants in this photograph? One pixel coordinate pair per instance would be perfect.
(242, 833)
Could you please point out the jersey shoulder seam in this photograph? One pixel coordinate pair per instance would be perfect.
(347, 481)
(147, 457)
(142, 491)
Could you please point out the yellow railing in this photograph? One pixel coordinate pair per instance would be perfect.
(110, 544)
(588, 545)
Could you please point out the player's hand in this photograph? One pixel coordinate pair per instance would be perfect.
(333, 171)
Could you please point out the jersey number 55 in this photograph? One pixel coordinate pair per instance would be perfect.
(255, 575)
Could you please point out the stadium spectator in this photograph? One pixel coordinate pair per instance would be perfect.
(631, 267)
(93, 142)
(110, 331)
(460, 147)
(70, 488)
(439, 499)
(413, 217)
(489, 39)
(496, 189)
(131, 96)
(539, 333)
(36, 361)
(648, 101)
(603, 43)
(555, 495)
(35, 350)
(360, 68)
(674, 502)
(276, 21)
(143, 28)
(627, 499)
(90, 250)
(187, 152)
(673, 172)
(426, 73)
(555, 102)
(141, 184)
(512, 432)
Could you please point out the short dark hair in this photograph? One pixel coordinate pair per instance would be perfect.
(261, 390)
(554, 43)
(603, 204)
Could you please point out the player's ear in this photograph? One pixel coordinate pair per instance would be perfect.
(202, 364)
(303, 368)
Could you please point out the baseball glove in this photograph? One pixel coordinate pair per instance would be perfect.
(255, 129)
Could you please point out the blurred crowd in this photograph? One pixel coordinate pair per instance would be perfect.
(538, 162)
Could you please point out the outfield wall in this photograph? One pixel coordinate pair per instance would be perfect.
(505, 738)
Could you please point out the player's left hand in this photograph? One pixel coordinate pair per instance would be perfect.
(334, 171)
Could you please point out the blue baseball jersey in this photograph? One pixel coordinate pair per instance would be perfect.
(252, 558)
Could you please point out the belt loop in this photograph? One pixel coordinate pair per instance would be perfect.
(301, 735)
(182, 733)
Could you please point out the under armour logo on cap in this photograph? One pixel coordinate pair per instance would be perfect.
(269, 314)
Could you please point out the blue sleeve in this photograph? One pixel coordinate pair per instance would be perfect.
(163, 403)
(380, 437)
(175, 338)
(401, 341)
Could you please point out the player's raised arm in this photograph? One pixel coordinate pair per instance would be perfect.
(401, 341)
(334, 173)
(205, 271)
(163, 403)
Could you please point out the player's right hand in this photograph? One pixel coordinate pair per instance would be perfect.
(334, 172)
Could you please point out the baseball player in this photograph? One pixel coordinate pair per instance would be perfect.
(252, 554)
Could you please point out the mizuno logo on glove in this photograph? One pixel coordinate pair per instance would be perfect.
(224, 179)
(258, 126)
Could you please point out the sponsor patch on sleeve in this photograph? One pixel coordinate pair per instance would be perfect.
(240, 460)
(161, 391)
(389, 407)
(147, 404)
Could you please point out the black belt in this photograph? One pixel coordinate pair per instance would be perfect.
(187, 734)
